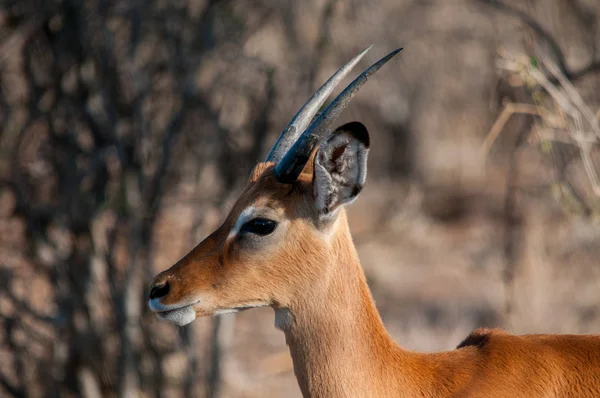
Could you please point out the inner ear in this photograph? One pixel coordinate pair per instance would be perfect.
(340, 168)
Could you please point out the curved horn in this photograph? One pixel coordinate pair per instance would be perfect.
(302, 119)
(290, 166)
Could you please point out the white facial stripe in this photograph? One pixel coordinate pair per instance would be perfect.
(244, 217)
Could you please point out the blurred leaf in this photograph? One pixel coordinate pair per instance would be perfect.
(533, 61)
(546, 146)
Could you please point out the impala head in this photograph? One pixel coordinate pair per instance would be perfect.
(275, 240)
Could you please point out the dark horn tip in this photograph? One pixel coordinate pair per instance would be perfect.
(290, 166)
(392, 54)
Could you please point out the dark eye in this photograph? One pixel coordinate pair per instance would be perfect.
(259, 226)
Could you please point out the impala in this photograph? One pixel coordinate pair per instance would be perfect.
(286, 244)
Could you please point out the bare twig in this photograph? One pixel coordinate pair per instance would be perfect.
(569, 101)
(509, 110)
(10, 389)
(18, 38)
(536, 27)
(574, 95)
(542, 33)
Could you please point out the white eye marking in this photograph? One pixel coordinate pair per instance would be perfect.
(244, 217)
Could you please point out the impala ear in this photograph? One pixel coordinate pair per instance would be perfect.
(340, 168)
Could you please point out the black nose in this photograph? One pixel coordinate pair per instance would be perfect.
(159, 291)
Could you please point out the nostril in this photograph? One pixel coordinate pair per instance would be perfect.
(159, 291)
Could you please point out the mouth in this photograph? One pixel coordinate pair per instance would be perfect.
(233, 310)
(183, 314)
(180, 315)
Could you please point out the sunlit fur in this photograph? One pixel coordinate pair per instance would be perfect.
(310, 273)
(222, 274)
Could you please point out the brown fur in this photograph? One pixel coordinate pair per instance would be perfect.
(310, 273)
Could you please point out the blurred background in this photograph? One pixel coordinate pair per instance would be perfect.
(128, 127)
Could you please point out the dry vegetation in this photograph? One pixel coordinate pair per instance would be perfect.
(127, 128)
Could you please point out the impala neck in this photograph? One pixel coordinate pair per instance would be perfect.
(337, 340)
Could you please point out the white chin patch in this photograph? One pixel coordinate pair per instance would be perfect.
(180, 316)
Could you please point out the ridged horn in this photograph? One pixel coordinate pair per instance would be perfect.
(305, 115)
(291, 164)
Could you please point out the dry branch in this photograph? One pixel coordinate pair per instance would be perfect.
(571, 109)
